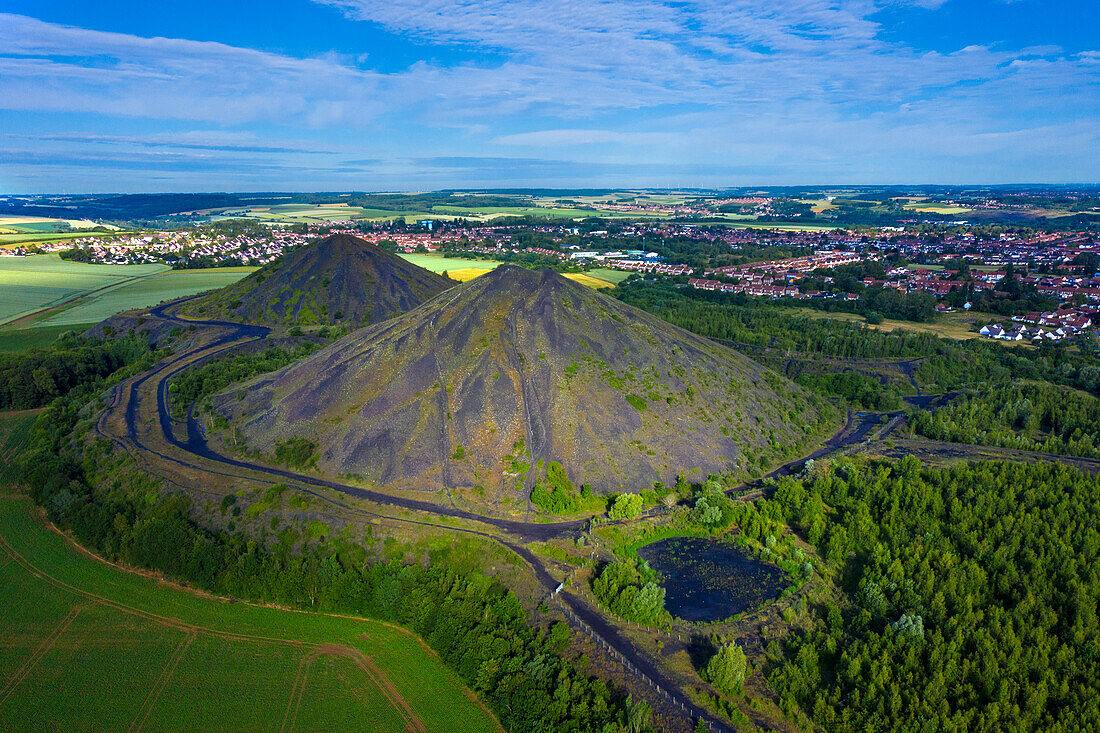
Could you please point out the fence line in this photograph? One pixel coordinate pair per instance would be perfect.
(673, 699)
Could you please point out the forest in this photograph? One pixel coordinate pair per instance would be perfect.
(969, 597)
(1024, 416)
(858, 390)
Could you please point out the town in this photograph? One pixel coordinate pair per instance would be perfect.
(953, 267)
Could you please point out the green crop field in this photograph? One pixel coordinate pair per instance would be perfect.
(439, 263)
(88, 646)
(15, 237)
(142, 293)
(14, 431)
(607, 275)
(30, 284)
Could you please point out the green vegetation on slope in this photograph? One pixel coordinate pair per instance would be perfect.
(617, 397)
(339, 279)
(194, 384)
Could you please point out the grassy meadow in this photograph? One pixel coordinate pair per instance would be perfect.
(15, 340)
(959, 325)
(89, 646)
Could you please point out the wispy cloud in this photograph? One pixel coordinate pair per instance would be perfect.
(603, 85)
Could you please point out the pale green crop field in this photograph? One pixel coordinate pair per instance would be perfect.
(91, 647)
(608, 275)
(30, 284)
(144, 293)
(439, 263)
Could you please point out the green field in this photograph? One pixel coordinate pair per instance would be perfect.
(607, 275)
(142, 293)
(439, 263)
(90, 647)
(30, 284)
(14, 237)
(291, 213)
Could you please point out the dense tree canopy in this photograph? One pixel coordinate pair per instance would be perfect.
(971, 598)
(1029, 416)
(39, 376)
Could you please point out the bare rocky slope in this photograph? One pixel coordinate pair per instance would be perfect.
(487, 383)
(340, 279)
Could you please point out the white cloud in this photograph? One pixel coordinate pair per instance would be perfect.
(807, 83)
(50, 67)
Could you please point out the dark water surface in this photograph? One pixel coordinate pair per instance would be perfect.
(708, 580)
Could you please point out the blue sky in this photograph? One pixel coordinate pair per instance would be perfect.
(122, 95)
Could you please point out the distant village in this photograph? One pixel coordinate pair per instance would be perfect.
(1073, 282)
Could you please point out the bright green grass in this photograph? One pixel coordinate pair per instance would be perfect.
(218, 686)
(438, 263)
(607, 275)
(29, 284)
(114, 654)
(143, 293)
(95, 677)
(28, 612)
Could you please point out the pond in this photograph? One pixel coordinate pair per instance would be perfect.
(708, 580)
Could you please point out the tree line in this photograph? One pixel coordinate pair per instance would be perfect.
(39, 376)
(1024, 416)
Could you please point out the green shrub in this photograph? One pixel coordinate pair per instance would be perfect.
(296, 452)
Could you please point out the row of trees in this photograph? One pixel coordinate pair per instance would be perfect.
(194, 384)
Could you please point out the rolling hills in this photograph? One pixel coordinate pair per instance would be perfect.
(488, 384)
(340, 279)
